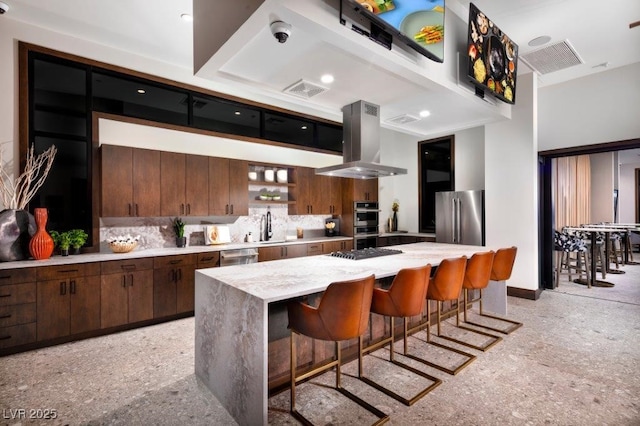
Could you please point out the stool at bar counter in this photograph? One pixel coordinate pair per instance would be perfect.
(405, 298)
(343, 313)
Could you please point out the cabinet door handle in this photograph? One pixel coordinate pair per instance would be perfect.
(226, 209)
(5, 277)
(131, 276)
(175, 261)
(137, 212)
(179, 274)
(129, 209)
(67, 271)
(181, 208)
(124, 281)
(63, 288)
(231, 208)
(188, 208)
(5, 295)
(5, 316)
(173, 275)
(72, 287)
(128, 267)
(5, 337)
(206, 259)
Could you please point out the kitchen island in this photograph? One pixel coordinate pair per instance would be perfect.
(232, 315)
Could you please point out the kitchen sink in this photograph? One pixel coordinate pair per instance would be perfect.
(272, 242)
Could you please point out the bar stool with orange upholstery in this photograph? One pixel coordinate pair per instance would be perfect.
(476, 277)
(405, 298)
(342, 314)
(500, 271)
(445, 285)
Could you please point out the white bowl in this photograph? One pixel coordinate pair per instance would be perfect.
(268, 176)
(253, 175)
(281, 175)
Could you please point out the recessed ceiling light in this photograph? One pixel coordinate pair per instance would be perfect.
(186, 17)
(304, 127)
(539, 41)
(424, 113)
(142, 91)
(327, 78)
(237, 113)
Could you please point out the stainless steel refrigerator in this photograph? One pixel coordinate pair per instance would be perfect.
(460, 217)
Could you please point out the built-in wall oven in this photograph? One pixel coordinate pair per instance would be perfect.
(365, 224)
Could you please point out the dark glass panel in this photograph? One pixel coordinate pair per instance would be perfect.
(282, 128)
(66, 192)
(225, 117)
(130, 97)
(329, 137)
(436, 174)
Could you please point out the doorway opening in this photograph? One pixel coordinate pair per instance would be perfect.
(546, 200)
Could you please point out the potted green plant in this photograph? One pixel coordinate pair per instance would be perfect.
(178, 227)
(64, 242)
(78, 237)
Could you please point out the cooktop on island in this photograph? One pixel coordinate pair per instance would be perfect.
(365, 253)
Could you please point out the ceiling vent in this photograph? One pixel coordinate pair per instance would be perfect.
(304, 89)
(552, 58)
(402, 119)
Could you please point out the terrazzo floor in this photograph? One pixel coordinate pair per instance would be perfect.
(574, 362)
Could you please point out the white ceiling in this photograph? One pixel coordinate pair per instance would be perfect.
(256, 63)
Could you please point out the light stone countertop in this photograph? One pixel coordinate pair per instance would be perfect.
(289, 278)
(165, 251)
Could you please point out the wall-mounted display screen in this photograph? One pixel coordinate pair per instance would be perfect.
(493, 57)
(418, 23)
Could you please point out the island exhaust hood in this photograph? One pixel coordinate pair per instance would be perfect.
(361, 150)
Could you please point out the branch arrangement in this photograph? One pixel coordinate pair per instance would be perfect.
(17, 193)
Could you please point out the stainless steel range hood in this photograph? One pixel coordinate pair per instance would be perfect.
(361, 150)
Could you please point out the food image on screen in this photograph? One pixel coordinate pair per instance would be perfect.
(493, 57)
(420, 23)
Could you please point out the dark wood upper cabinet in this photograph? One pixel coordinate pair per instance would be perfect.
(197, 185)
(172, 184)
(134, 190)
(228, 189)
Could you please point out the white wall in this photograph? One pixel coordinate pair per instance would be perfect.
(511, 186)
(602, 184)
(627, 194)
(600, 108)
(469, 159)
(399, 150)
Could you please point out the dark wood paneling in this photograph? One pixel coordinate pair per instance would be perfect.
(218, 186)
(140, 296)
(186, 289)
(15, 276)
(53, 309)
(117, 181)
(146, 182)
(17, 314)
(129, 265)
(238, 187)
(524, 293)
(15, 294)
(17, 335)
(197, 185)
(164, 292)
(113, 300)
(85, 304)
(172, 184)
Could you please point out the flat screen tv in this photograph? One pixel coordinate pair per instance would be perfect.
(418, 23)
(493, 57)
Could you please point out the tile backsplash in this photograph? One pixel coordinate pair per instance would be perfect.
(157, 232)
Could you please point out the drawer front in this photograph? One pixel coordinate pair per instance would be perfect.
(130, 265)
(17, 294)
(17, 314)
(208, 260)
(177, 260)
(68, 271)
(17, 335)
(314, 249)
(16, 276)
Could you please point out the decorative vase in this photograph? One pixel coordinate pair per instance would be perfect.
(394, 222)
(64, 252)
(181, 241)
(41, 244)
(16, 228)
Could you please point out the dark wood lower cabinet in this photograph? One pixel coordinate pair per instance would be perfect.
(126, 298)
(173, 285)
(67, 306)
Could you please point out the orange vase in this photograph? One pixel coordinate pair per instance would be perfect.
(41, 244)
